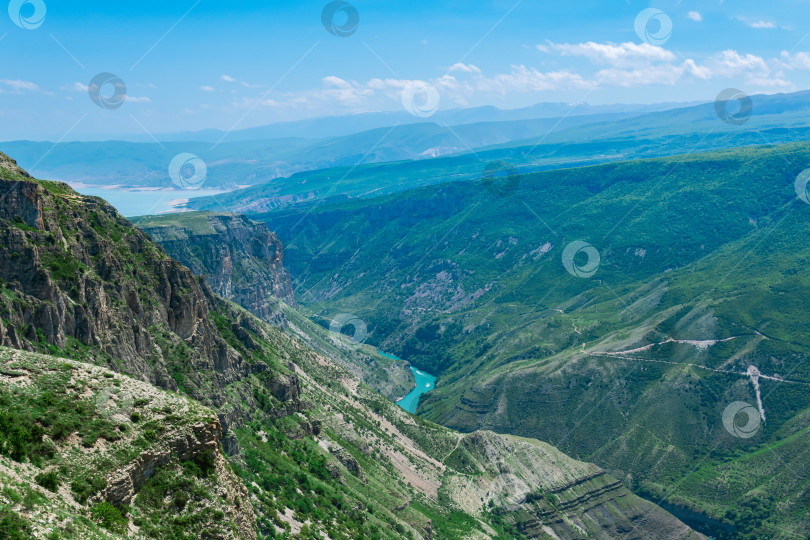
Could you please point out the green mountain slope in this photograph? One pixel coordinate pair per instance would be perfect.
(319, 453)
(88, 453)
(633, 367)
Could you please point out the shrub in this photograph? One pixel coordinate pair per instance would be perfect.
(48, 480)
(201, 465)
(86, 487)
(180, 499)
(12, 494)
(110, 517)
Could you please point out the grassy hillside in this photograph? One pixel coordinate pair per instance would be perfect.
(633, 367)
(76, 440)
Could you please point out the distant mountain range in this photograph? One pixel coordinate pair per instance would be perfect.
(775, 119)
(257, 155)
(338, 126)
(282, 158)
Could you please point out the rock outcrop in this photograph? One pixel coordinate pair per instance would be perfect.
(241, 260)
(157, 433)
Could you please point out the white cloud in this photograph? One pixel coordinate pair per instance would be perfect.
(663, 74)
(730, 63)
(207, 88)
(76, 87)
(771, 83)
(800, 60)
(618, 65)
(18, 86)
(695, 16)
(133, 99)
(466, 68)
(613, 54)
(227, 78)
(762, 24)
(526, 79)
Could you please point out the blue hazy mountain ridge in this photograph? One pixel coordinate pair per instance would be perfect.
(342, 125)
(774, 119)
(530, 144)
(247, 162)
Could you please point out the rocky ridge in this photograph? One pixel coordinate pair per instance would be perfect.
(241, 260)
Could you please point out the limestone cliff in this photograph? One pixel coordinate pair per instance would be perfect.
(241, 260)
(78, 280)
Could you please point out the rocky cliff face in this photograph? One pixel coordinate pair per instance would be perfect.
(77, 279)
(240, 259)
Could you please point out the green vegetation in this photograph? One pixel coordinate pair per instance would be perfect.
(26, 417)
(317, 451)
(13, 526)
(699, 249)
(110, 517)
(64, 266)
(44, 422)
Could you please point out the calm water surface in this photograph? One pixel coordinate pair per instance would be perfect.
(425, 382)
(141, 203)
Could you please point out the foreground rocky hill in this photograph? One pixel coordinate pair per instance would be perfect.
(80, 441)
(317, 452)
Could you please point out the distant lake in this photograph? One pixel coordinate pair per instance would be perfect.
(140, 203)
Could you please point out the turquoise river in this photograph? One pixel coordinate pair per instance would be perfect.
(425, 382)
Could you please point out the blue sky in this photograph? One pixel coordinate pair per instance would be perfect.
(191, 65)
